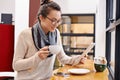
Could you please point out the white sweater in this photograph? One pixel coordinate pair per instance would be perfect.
(28, 64)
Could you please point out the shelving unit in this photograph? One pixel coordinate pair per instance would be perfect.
(77, 32)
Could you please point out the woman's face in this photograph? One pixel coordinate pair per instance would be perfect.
(52, 21)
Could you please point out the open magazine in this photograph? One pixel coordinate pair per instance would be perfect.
(88, 49)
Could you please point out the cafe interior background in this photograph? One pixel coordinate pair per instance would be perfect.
(84, 21)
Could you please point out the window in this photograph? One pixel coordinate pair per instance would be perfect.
(113, 38)
(112, 62)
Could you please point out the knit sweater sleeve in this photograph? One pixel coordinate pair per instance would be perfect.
(19, 60)
(65, 59)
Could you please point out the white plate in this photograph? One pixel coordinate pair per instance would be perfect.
(78, 71)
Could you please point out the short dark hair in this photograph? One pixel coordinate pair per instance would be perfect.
(46, 7)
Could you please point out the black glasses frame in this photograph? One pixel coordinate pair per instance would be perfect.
(54, 22)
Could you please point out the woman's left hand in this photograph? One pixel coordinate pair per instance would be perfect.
(83, 59)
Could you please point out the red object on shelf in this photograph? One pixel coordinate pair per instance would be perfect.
(6, 47)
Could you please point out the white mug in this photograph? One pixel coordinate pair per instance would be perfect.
(54, 49)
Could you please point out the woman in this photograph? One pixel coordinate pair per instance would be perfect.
(32, 58)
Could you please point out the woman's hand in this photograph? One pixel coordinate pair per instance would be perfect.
(43, 52)
(83, 59)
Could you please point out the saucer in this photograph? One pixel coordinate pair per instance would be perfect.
(79, 71)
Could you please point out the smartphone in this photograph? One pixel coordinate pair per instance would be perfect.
(61, 74)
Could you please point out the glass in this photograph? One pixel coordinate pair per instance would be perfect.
(54, 21)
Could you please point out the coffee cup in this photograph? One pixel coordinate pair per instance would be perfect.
(54, 49)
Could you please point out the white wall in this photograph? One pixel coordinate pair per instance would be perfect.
(77, 6)
(7, 6)
(97, 7)
(21, 16)
(100, 28)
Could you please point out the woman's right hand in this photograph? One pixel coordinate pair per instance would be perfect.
(43, 52)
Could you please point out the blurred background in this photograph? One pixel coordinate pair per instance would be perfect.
(84, 21)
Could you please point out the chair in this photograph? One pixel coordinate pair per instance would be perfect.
(6, 50)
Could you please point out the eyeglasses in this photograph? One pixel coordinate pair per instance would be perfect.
(54, 21)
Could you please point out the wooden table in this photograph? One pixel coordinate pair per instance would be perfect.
(93, 75)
